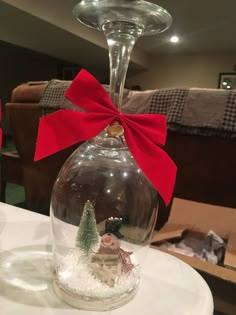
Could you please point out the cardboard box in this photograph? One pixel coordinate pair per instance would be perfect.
(198, 217)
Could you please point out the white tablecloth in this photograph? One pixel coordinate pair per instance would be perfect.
(168, 286)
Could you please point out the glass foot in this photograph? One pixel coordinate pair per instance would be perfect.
(150, 17)
(93, 304)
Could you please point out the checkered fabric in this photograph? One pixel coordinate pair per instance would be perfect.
(53, 97)
(206, 112)
(229, 122)
(173, 103)
(169, 102)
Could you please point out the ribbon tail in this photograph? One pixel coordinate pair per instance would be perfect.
(153, 161)
(59, 130)
(154, 126)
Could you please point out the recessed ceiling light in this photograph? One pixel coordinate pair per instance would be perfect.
(224, 83)
(228, 86)
(174, 39)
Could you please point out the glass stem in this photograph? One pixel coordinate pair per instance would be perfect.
(121, 37)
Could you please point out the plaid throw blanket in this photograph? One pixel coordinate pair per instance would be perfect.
(53, 97)
(208, 112)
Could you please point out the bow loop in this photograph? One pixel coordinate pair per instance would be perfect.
(87, 93)
(152, 125)
(143, 132)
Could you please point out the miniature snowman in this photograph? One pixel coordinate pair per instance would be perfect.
(105, 263)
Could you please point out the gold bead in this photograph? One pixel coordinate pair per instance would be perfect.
(115, 129)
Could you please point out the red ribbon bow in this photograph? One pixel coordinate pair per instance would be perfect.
(143, 132)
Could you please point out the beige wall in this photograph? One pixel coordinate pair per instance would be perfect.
(196, 70)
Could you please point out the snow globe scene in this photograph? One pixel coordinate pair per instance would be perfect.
(103, 213)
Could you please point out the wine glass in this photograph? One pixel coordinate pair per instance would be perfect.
(103, 208)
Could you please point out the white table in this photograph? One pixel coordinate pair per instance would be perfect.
(168, 286)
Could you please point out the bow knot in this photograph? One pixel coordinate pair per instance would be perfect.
(143, 132)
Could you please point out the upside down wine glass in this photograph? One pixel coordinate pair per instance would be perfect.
(103, 208)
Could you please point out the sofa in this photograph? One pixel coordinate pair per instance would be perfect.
(205, 154)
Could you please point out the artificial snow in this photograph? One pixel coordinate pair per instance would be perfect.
(75, 275)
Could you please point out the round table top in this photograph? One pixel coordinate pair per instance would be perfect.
(168, 286)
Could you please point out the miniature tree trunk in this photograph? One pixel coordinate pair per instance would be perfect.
(87, 236)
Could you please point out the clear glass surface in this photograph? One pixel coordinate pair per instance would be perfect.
(125, 208)
(150, 17)
(103, 208)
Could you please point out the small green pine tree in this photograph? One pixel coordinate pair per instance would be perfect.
(87, 235)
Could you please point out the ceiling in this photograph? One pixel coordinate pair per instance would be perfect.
(203, 26)
(48, 26)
